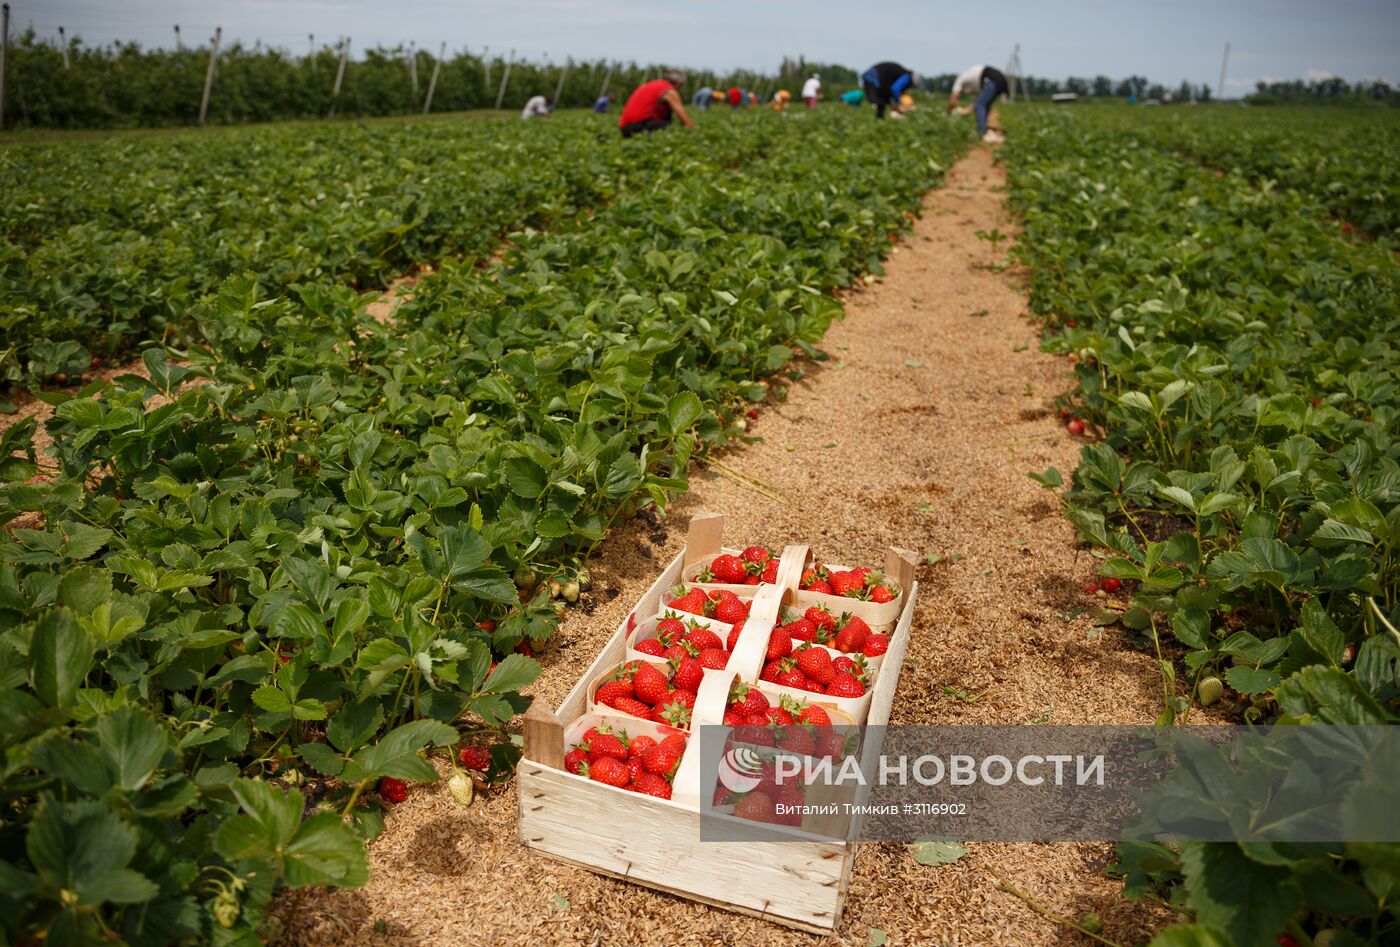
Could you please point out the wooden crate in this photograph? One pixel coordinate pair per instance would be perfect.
(800, 884)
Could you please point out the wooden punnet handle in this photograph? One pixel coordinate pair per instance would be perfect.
(544, 736)
(703, 537)
(899, 566)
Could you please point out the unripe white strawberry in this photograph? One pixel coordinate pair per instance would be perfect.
(460, 785)
(1209, 691)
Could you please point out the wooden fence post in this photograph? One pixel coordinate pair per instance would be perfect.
(413, 66)
(209, 73)
(563, 74)
(311, 51)
(505, 77)
(432, 83)
(339, 74)
(63, 45)
(607, 77)
(486, 67)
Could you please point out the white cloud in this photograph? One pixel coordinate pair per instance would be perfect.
(1318, 75)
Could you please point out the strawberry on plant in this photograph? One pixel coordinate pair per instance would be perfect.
(475, 757)
(393, 790)
(1110, 584)
(486, 624)
(728, 569)
(610, 772)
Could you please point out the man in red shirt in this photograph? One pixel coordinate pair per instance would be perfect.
(653, 103)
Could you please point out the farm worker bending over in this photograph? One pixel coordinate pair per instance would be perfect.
(602, 104)
(781, 98)
(702, 98)
(986, 83)
(537, 107)
(884, 83)
(734, 97)
(853, 98)
(652, 104)
(812, 90)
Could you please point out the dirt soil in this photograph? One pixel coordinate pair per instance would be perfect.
(917, 433)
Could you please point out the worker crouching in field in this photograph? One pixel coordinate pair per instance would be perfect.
(885, 84)
(652, 104)
(539, 106)
(986, 83)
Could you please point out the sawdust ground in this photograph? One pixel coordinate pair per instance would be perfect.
(919, 433)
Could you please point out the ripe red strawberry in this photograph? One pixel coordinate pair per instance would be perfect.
(649, 785)
(633, 707)
(693, 602)
(812, 575)
(862, 572)
(821, 618)
(798, 739)
(393, 790)
(734, 633)
(575, 761)
(650, 685)
(852, 635)
(676, 741)
(779, 715)
(843, 663)
(475, 757)
(609, 692)
(845, 685)
(779, 643)
(714, 659)
(687, 673)
(882, 594)
(701, 638)
(732, 610)
(662, 761)
(634, 768)
(804, 629)
(682, 696)
(651, 646)
(639, 745)
(756, 807)
(670, 631)
(771, 670)
(815, 662)
(1110, 585)
(796, 679)
(754, 731)
(599, 742)
(728, 569)
(770, 571)
(821, 585)
(747, 700)
(876, 645)
(846, 584)
(732, 718)
(757, 554)
(610, 772)
(751, 580)
(677, 651)
(811, 713)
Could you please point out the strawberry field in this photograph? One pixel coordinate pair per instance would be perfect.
(312, 547)
(1234, 347)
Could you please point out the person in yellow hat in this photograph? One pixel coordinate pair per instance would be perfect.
(780, 99)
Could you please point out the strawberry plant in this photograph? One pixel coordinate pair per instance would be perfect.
(1237, 352)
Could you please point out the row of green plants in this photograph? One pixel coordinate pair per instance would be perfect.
(1342, 158)
(106, 243)
(1235, 359)
(305, 555)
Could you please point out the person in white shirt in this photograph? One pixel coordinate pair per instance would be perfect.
(986, 83)
(537, 107)
(812, 89)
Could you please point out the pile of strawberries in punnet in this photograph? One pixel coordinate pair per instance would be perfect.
(721, 605)
(800, 654)
(754, 565)
(676, 639)
(641, 764)
(655, 692)
(792, 724)
(869, 585)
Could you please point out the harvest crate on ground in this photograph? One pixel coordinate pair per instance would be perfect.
(640, 838)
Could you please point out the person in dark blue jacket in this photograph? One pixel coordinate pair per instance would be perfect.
(884, 83)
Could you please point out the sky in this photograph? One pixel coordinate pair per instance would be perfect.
(1165, 40)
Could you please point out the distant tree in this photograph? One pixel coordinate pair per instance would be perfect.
(1103, 86)
(1077, 85)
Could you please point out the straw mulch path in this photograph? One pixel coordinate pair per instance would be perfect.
(918, 433)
